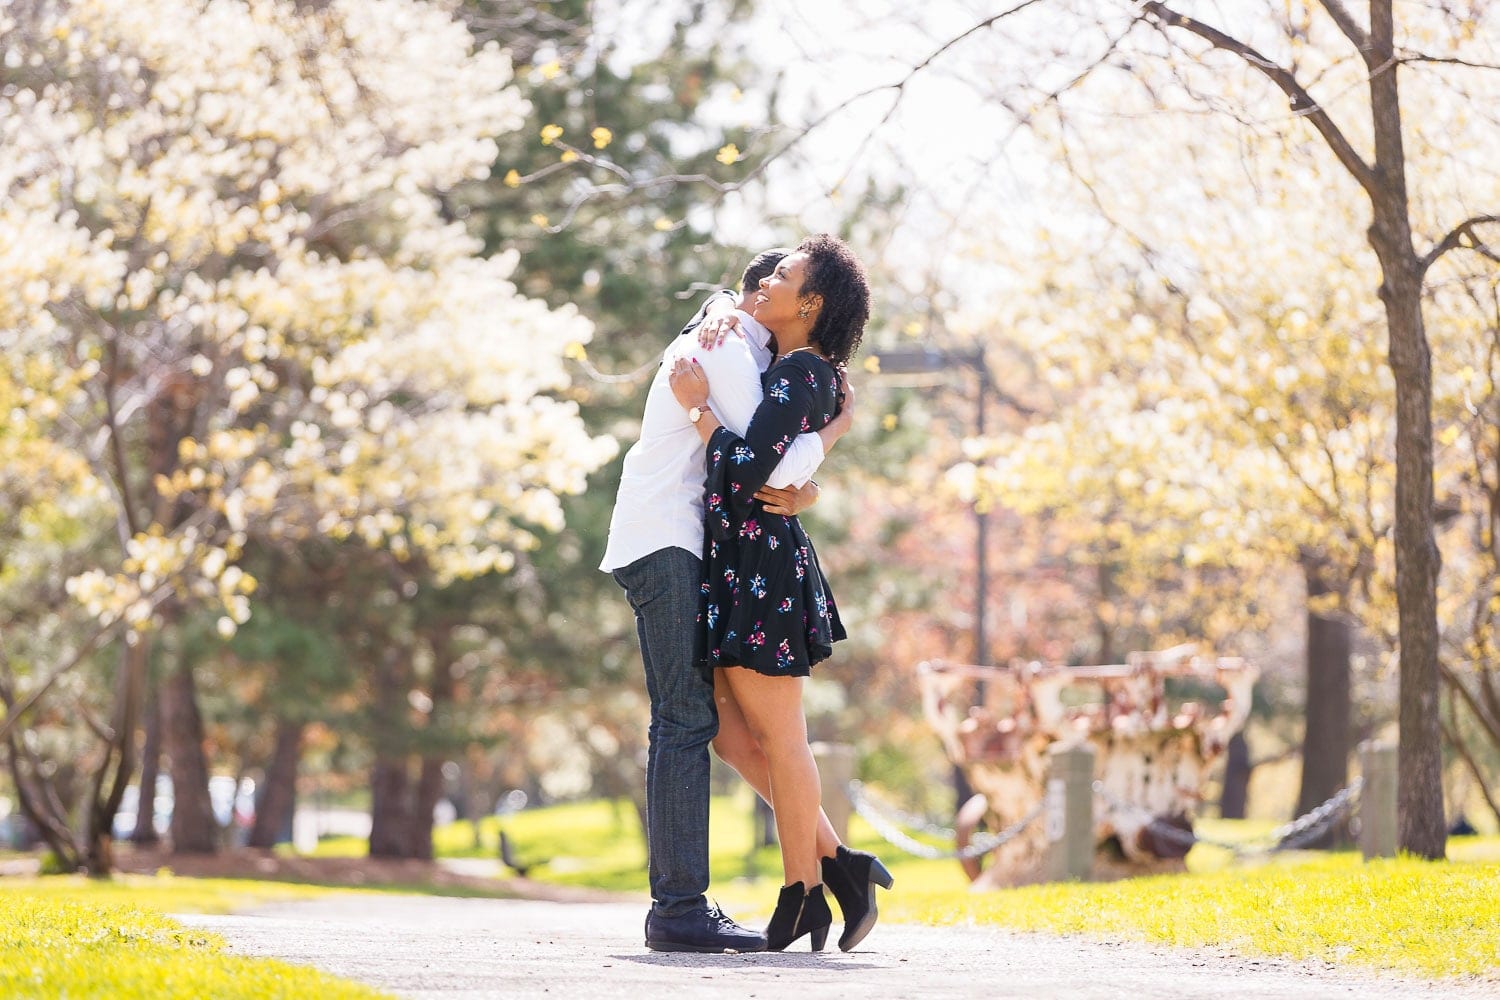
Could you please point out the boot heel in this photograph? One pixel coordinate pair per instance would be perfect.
(818, 938)
(879, 875)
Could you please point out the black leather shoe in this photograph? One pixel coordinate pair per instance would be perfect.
(852, 877)
(705, 930)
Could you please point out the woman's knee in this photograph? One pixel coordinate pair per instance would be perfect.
(739, 750)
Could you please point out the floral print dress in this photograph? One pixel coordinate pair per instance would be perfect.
(766, 604)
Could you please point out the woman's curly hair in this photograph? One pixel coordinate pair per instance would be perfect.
(835, 273)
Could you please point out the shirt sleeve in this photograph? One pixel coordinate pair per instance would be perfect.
(734, 393)
(702, 313)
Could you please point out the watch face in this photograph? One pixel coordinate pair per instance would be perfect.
(695, 414)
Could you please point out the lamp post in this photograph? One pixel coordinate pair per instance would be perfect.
(915, 361)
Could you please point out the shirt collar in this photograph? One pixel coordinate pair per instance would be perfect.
(755, 330)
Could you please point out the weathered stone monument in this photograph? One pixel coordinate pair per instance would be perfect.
(1151, 752)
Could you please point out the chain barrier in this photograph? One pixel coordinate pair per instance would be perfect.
(1288, 837)
(887, 822)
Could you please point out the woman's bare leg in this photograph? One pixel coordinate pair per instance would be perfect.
(772, 709)
(736, 746)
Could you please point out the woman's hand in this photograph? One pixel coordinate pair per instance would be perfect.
(842, 422)
(689, 384)
(789, 502)
(713, 330)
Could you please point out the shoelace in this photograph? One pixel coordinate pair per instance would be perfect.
(721, 917)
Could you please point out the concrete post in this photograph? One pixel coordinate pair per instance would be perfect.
(835, 771)
(1069, 813)
(1377, 800)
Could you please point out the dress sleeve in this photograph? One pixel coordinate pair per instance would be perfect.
(734, 393)
(738, 466)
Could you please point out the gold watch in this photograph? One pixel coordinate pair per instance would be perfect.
(695, 414)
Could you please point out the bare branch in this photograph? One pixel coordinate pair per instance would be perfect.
(1301, 101)
(1455, 240)
(1417, 57)
(899, 86)
(117, 447)
(1349, 27)
(162, 592)
(630, 184)
(1455, 740)
(1476, 708)
(15, 711)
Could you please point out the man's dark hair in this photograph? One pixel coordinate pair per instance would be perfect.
(764, 263)
(835, 273)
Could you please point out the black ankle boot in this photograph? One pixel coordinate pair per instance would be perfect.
(799, 912)
(852, 877)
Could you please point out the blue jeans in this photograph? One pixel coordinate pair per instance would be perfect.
(663, 589)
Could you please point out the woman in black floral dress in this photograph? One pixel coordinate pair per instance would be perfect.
(768, 614)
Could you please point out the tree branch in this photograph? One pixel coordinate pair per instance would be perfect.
(1349, 27)
(1491, 725)
(1417, 57)
(1456, 741)
(15, 711)
(117, 446)
(1455, 240)
(630, 184)
(1301, 101)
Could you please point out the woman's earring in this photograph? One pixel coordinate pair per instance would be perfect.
(804, 312)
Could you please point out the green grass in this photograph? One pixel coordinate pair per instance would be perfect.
(1433, 919)
(69, 937)
(164, 891)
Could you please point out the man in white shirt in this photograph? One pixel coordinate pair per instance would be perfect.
(654, 552)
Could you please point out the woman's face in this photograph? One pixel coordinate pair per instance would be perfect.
(779, 298)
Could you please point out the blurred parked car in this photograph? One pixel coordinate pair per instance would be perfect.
(233, 805)
(130, 808)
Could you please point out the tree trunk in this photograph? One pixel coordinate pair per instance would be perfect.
(430, 782)
(1236, 793)
(278, 793)
(145, 815)
(429, 791)
(113, 772)
(42, 809)
(1422, 828)
(390, 807)
(194, 829)
(391, 803)
(1105, 578)
(1325, 736)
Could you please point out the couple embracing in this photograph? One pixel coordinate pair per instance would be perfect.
(732, 610)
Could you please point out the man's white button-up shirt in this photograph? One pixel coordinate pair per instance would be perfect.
(660, 502)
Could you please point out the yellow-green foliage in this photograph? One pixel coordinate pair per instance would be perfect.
(1437, 919)
(64, 939)
(163, 891)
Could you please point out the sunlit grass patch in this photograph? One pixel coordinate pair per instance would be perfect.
(1435, 919)
(86, 941)
(164, 891)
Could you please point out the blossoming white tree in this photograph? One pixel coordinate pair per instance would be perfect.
(280, 331)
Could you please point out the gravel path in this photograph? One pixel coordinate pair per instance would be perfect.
(433, 947)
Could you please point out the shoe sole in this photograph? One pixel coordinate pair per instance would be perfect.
(861, 930)
(699, 949)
